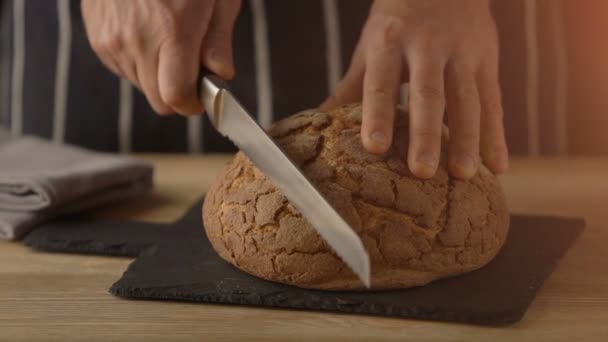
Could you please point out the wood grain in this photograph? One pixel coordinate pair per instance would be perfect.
(64, 297)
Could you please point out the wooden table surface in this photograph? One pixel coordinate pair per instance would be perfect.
(65, 297)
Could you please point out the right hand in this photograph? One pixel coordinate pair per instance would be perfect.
(448, 51)
(159, 45)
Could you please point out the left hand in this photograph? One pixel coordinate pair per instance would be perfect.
(159, 45)
(449, 53)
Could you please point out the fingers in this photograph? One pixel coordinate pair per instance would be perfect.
(110, 63)
(178, 68)
(129, 71)
(380, 88)
(157, 45)
(493, 143)
(179, 63)
(112, 54)
(217, 48)
(463, 110)
(139, 63)
(179, 59)
(427, 105)
(147, 73)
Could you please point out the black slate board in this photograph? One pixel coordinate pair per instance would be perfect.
(86, 235)
(182, 266)
(83, 234)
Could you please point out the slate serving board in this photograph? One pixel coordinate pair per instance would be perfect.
(176, 262)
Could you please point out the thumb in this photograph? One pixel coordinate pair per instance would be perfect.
(178, 67)
(177, 76)
(217, 53)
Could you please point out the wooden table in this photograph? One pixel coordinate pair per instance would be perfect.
(54, 296)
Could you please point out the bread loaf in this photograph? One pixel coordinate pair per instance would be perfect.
(415, 231)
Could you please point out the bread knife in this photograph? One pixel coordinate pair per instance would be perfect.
(234, 122)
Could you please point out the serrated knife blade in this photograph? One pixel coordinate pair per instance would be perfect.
(234, 122)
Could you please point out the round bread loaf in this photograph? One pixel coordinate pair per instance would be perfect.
(415, 231)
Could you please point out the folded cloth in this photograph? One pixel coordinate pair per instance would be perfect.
(40, 180)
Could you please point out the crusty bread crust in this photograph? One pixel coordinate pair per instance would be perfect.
(415, 231)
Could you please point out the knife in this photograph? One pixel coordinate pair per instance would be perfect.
(233, 121)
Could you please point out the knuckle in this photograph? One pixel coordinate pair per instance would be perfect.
(427, 45)
(179, 9)
(168, 25)
(495, 114)
(465, 103)
(466, 91)
(110, 42)
(132, 36)
(461, 71)
(390, 30)
(464, 62)
(427, 134)
(467, 137)
(376, 91)
(426, 91)
(493, 109)
(173, 18)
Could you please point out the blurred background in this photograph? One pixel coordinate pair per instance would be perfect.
(289, 54)
(554, 75)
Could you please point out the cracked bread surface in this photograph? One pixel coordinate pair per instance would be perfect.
(415, 231)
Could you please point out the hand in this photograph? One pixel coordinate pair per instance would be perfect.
(159, 45)
(448, 51)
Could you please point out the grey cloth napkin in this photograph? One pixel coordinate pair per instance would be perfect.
(40, 180)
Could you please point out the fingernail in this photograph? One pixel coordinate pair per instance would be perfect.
(466, 162)
(428, 159)
(379, 138)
